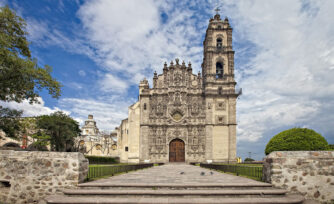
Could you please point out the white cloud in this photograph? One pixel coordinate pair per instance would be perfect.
(107, 114)
(289, 81)
(130, 38)
(38, 30)
(43, 34)
(75, 85)
(82, 73)
(31, 110)
(112, 83)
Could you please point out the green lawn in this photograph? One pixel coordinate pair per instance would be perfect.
(242, 164)
(97, 165)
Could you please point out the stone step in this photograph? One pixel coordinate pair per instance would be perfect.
(174, 186)
(58, 199)
(164, 192)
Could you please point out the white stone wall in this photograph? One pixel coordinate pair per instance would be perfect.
(133, 133)
(34, 175)
(310, 173)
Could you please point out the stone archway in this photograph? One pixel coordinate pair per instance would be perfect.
(176, 151)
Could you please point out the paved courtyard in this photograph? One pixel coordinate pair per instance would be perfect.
(176, 173)
(174, 183)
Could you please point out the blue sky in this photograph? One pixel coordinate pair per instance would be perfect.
(100, 50)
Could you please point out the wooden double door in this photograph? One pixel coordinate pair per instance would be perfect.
(176, 151)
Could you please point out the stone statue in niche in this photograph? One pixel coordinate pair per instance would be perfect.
(195, 109)
(177, 79)
(159, 108)
(177, 100)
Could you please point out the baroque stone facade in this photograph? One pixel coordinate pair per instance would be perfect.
(185, 116)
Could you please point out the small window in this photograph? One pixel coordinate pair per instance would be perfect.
(220, 119)
(220, 105)
(126, 149)
(219, 43)
(219, 70)
(127, 132)
(144, 106)
(220, 90)
(219, 27)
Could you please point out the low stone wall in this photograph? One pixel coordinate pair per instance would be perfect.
(310, 173)
(27, 177)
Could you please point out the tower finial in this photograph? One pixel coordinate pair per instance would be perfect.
(217, 10)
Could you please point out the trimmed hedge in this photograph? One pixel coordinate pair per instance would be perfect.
(249, 160)
(331, 146)
(102, 160)
(297, 139)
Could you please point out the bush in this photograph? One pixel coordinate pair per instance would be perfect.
(331, 147)
(102, 160)
(249, 160)
(297, 139)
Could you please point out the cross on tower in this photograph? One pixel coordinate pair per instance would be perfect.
(217, 10)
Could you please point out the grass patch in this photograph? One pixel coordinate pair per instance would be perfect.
(98, 165)
(106, 176)
(98, 171)
(242, 164)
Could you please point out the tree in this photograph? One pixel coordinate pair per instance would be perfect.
(20, 75)
(61, 128)
(41, 140)
(297, 139)
(9, 121)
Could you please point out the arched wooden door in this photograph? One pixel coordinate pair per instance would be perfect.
(176, 151)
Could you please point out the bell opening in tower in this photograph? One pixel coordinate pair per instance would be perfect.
(219, 70)
(219, 43)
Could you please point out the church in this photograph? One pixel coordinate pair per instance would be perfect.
(186, 117)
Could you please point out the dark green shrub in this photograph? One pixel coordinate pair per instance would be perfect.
(102, 160)
(331, 147)
(249, 160)
(297, 139)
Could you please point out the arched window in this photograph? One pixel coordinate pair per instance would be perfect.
(144, 106)
(219, 43)
(220, 90)
(219, 70)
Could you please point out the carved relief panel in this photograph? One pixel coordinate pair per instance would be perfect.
(220, 105)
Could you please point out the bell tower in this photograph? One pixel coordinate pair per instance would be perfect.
(218, 62)
(219, 91)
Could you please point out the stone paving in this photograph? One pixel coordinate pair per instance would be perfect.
(176, 183)
(176, 173)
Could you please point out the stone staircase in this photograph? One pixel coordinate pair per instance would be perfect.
(196, 193)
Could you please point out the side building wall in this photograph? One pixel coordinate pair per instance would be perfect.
(122, 141)
(133, 133)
